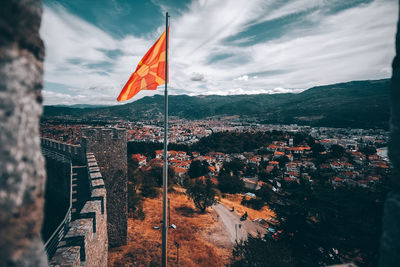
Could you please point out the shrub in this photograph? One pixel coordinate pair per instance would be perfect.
(202, 194)
(135, 204)
(230, 184)
(254, 203)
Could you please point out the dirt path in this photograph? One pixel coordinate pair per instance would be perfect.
(237, 229)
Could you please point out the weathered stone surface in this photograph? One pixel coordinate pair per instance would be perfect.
(96, 174)
(86, 242)
(94, 250)
(92, 164)
(66, 257)
(57, 192)
(97, 183)
(109, 147)
(75, 152)
(390, 240)
(22, 173)
(97, 246)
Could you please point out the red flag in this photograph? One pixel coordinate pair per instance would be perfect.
(150, 72)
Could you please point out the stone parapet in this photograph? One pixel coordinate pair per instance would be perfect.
(67, 257)
(75, 152)
(86, 242)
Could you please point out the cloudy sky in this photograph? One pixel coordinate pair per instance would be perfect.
(216, 46)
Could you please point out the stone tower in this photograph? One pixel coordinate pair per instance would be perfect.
(110, 149)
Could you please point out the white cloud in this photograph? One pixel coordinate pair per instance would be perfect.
(61, 98)
(242, 78)
(354, 44)
(357, 43)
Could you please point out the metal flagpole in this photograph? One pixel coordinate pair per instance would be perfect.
(165, 169)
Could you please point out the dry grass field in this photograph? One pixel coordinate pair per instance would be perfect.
(202, 239)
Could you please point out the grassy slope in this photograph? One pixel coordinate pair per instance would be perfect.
(192, 233)
(202, 239)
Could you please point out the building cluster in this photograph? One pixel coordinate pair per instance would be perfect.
(281, 160)
(180, 161)
(182, 131)
(353, 167)
(179, 131)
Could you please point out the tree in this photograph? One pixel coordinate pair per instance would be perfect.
(234, 166)
(323, 225)
(337, 151)
(132, 165)
(316, 153)
(265, 193)
(135, 204)
(202, 194)
(300, 138)
(264, 176)
(135, 176)
(282, 161)
(149, 186)
(251, 170)
(135, 201)
(156, 173)
(367, 150)
(230, 184)
(231, 142)
(261, 252)
(317, 148)
(254, 203)
(198, 168)
(153, 179)
(293, 212)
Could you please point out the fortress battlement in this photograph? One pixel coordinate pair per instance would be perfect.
(86, 242)
(75, 152)
(97, 218)
(103, 134)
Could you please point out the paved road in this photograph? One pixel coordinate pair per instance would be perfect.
(237, 229)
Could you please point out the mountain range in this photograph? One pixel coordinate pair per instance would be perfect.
(357, 104)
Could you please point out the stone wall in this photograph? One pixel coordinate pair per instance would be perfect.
(390, 239)
(109, 145)
(86, 242)
(22, 173)
(58, 191)
(75, 152)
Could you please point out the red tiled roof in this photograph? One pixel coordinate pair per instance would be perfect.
(138, 157)
(337, 179)
(179, 170)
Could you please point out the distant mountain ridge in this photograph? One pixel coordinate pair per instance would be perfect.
(82, 106)
(357, 104)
